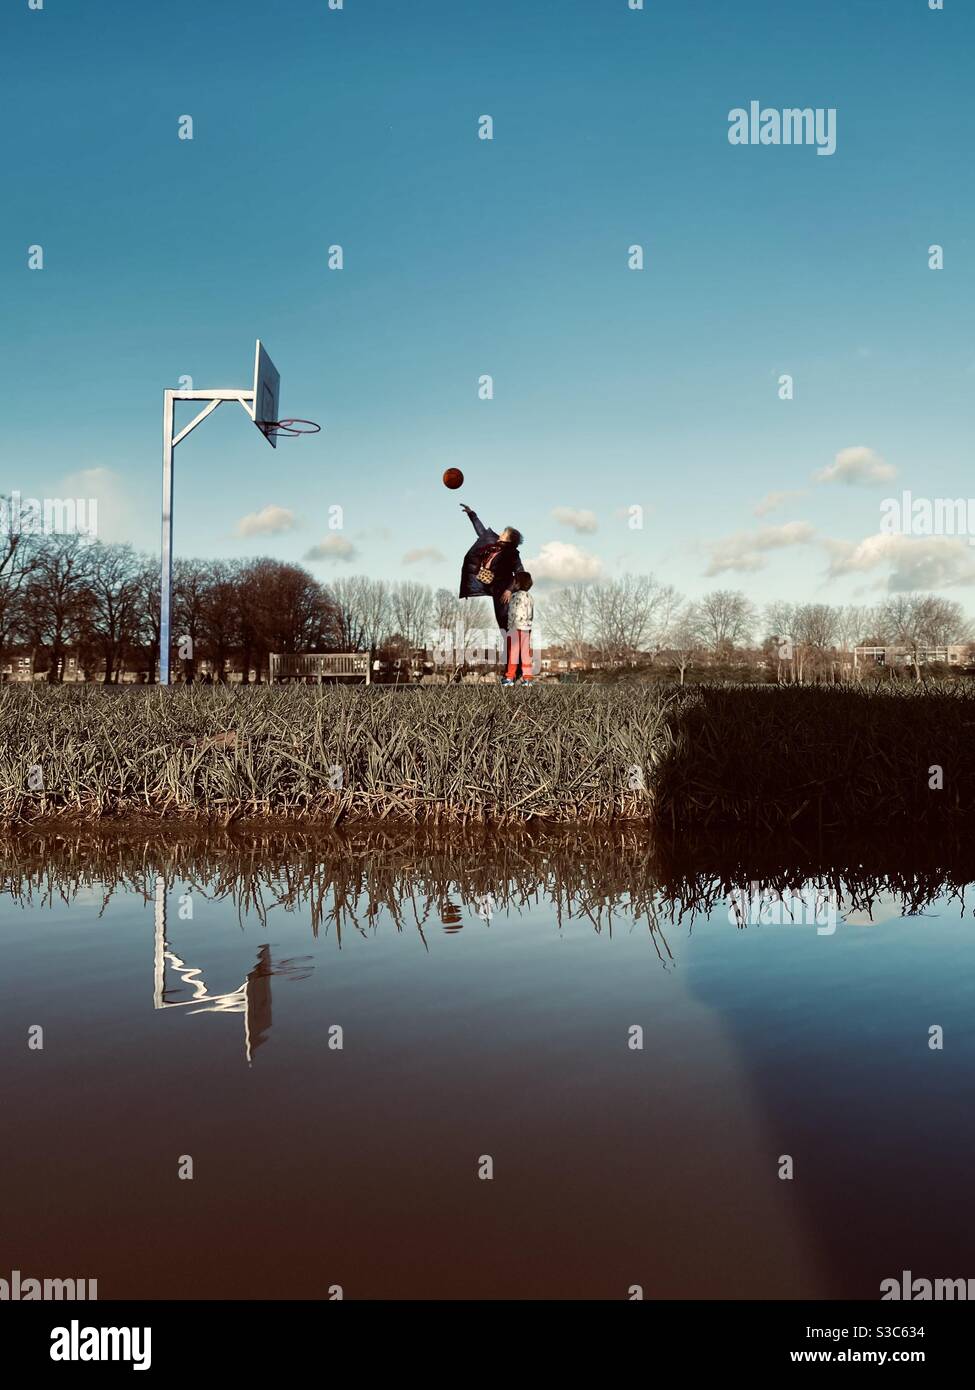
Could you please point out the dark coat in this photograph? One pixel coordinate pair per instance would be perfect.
(506, 564)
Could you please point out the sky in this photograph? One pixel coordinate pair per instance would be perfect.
(613, 388)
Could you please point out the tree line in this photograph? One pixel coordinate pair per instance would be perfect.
(638, 615)
(100, 602)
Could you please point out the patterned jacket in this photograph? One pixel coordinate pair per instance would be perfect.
(521, 610)
(505, 561)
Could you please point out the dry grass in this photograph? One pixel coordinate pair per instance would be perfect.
(692, 760)
(443, 753)
(832, 758)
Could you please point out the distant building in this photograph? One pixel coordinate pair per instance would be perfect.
(555, 659)
(954, 654)
(18, 668)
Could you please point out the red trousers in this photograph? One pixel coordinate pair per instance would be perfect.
(519, 650)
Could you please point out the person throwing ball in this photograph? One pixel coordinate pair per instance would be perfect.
(490, 566)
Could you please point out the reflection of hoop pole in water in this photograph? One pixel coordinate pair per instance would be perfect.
(252, 998)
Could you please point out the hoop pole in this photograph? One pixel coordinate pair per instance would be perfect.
(166, 575)
(248, 400)
(159, 944)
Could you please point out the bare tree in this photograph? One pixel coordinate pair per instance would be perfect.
(667, 608)
(626, 616)
(376, 612)
(55, 598)
(728, 619)
(820, 625)
(916, 621)
(348, 596)
(461, 627)
(778, 618)
(815, 626)
(857, 626)
(945, 621)
(413, 607)
(637, 599)
(221, 618)
(444, 608)
(567, 619)
(687, 636)
(604, 620)
(110, 616)
(18, 553)
(145, 645)
(191, 584)
(11, 540)
(780, 627)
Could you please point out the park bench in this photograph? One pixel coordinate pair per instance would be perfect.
(318, 667)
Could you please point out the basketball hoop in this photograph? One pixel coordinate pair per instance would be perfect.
(262, 404)
(289, 429)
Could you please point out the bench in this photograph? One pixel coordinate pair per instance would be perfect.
(318, 667)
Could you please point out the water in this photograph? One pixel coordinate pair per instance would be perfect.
(486, 995)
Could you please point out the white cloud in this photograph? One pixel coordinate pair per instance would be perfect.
(745, 551)
(911, 562)
(565, 563)
(857, 465)
(332, 548)
(581, 521)
(113, 512)
(429, 553)
(773, 501)
(269, 521)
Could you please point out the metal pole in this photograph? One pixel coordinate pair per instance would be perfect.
(166, 578)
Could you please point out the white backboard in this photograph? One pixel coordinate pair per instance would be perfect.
(267, 388)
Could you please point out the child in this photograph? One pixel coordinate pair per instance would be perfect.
(521, 610)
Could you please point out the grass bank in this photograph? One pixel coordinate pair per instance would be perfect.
(694, 760)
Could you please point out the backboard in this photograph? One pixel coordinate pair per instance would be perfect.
(267, 387)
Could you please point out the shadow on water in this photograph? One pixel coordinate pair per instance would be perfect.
(795, 989)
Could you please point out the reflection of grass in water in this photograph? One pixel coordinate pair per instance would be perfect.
(350, 880)
(691, 759)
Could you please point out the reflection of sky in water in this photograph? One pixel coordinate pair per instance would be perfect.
(470, 1026)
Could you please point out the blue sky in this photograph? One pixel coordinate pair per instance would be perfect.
(463, 257)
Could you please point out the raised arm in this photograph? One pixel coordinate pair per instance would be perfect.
(476, 521)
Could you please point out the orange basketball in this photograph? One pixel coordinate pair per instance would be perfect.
(453, 478)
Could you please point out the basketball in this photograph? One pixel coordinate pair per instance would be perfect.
(453, 478)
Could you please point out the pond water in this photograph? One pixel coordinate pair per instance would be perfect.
(340, 1038)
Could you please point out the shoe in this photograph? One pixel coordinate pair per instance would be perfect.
(506, 681)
